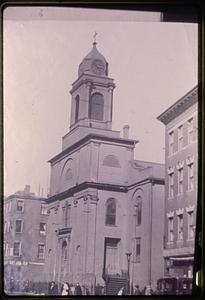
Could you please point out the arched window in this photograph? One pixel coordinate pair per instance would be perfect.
(110, 212)
(77, 100)
(96, 107)
(138, 210)
(64, 250)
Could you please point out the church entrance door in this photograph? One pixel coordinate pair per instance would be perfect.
(112, 262)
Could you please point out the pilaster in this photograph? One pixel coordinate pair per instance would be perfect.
(90, 216)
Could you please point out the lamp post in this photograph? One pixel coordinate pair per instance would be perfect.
(56, 249)
(128, 254)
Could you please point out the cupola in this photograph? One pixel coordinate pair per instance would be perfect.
(94, 63)
(92, 93)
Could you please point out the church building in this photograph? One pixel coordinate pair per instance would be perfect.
(106, 210)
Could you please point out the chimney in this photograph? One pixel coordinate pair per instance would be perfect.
(27, 189)
(126, 131)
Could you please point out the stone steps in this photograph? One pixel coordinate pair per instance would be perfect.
(114, 284)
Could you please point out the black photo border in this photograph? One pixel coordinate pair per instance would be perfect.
(172, 11)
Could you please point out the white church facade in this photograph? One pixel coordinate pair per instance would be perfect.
(106, 209)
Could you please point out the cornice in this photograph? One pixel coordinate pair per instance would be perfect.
(91, 81)
(85, 185)
(179, 107)
(101, 186)
(63, 231)
(94, 137)
(152, 180)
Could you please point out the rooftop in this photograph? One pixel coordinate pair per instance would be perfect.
(179, 107)
(25, 194)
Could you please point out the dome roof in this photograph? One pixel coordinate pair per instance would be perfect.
(94, 63)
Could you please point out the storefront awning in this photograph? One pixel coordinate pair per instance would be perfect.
(181, 258)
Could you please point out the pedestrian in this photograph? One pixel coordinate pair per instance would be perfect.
(148, 290)
(12, 285)
(26, 286)
(121, 291)
(65, 289)
(87, 292)
(72, 289)
(137, 290)
(143, 290)
(53, 289)
(78, 290)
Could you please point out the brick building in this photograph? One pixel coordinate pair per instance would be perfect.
(105, 208)
(25, 218)
(180, 184)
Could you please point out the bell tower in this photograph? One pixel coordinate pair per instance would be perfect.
(90, 177)
(92, 93)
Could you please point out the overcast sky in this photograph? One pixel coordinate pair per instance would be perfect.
(153, 65)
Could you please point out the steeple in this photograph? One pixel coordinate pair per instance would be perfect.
(94, 62)
(92, 92)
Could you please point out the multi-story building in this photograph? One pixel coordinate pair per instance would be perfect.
(25, 218)
(105, 208)
(180, 184)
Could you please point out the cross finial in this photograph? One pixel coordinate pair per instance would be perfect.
(94, 36)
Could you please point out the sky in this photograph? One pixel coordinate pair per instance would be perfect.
(153, 65)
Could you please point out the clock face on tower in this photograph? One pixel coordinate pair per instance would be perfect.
(98, 67)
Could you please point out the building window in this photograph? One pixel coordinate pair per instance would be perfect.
(42, 228)
(7, 207)
(96, 107)
(138, 211)
(19, 226)
(190, 130)
(65, 250)
(171, 185)
(191, 225)
(170, 229)
(77, 102)
(20, 205)
(41, 251)
(9, 251)
(110, 211)
(43, 210)
(16, 249)
(7, 226)
(180, 137)
(190, 177)
(171, 143)
(138, 249)
(66, 214)
(180, 181)
(180, 226)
